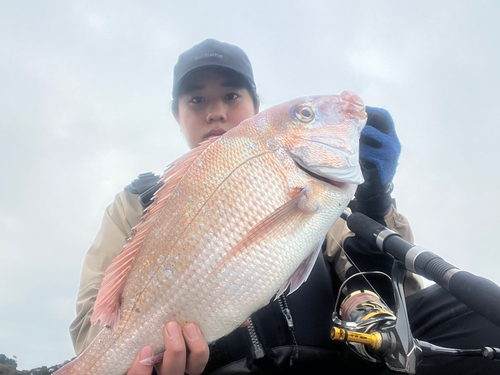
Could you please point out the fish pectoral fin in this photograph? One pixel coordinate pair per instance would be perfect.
(302, 273)
(285, 219)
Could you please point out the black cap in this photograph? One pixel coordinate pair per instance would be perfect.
(208, 54)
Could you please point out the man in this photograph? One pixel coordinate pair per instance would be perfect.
(213, 92)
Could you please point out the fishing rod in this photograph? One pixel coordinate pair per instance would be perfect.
(395, 343)
(478, 293)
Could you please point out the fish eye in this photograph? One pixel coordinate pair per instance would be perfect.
(305, 113)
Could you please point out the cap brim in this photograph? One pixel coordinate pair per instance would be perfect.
(178, 84)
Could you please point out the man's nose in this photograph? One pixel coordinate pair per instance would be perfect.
(216, 112)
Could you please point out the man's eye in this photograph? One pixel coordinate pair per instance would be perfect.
(197, 100)
(231, 96)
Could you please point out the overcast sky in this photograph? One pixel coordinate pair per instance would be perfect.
(84, 107)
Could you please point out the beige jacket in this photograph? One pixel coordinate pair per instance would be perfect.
(126, 211)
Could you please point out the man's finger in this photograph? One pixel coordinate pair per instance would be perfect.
(198, 349)
(174, 358)
(138, 368)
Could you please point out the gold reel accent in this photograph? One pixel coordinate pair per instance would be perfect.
(373, 339)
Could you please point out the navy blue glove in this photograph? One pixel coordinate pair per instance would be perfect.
(379, 150)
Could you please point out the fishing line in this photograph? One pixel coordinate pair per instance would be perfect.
(362, 273)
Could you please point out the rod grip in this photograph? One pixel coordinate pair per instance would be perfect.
(478, 293)
(365, 227)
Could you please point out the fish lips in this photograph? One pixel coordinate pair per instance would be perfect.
(346, 168)
(339, 177)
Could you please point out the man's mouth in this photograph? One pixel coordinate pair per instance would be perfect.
(214, 133)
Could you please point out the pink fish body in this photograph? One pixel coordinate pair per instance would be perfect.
(237, 219)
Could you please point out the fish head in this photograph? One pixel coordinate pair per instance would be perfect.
(321, 134)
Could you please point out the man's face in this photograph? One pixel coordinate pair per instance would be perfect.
(211, 104)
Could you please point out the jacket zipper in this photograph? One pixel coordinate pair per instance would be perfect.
(289, 321)
(258, 350)
(257, 347)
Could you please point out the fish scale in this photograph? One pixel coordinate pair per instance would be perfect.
(220, 244)
(240, 220)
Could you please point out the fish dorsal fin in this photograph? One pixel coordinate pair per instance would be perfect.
(285, 219)
(172, 176)
(107, 305)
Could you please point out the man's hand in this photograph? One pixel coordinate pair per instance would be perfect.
(379, 150)
(175, 359)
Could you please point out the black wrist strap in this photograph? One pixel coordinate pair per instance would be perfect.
(375, 206)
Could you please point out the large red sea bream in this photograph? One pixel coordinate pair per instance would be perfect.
(237, 220)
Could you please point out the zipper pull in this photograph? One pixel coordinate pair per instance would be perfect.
(289, 321)
(288, 317)
(258, 350)
(286, 312)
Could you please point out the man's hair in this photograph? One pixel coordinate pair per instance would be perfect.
(238, 79)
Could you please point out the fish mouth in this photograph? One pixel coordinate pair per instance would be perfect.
(337, 184)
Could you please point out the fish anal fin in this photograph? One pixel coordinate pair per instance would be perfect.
(108, 302)
(285, 218)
